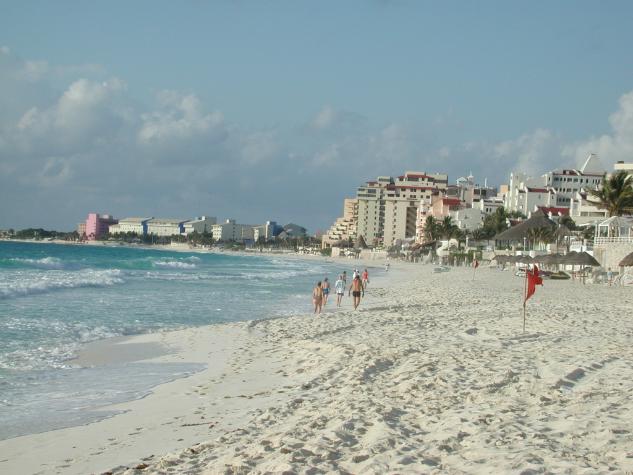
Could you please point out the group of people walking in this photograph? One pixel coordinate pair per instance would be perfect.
(356, 290)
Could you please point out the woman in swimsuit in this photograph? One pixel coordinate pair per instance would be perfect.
(326, 291)
(317, 298)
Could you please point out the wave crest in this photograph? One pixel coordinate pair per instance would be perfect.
(48, 282)
(174, 264)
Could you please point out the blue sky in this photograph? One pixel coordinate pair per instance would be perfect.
(277, 110)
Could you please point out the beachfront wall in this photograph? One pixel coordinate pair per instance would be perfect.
(609, 254)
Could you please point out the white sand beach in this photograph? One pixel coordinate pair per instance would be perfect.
(432, 375)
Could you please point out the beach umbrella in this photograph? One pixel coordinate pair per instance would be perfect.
(627, 261)
(586, 259)
(524, 260)
(542, 259)
(520, 231)
(500, 258)
(569, 258)
(556, 259)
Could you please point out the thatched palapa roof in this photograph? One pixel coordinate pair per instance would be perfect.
(520, 231)
(627, 261)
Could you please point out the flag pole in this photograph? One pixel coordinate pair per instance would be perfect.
(525, 296)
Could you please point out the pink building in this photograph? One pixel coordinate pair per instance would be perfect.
(98, 224)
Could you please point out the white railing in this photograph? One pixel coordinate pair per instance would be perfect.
(606, 240)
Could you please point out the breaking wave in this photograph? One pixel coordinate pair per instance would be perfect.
(174, 264)
(48, 282)
(45, 262)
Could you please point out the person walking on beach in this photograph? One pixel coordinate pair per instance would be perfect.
(365, 279)
(317, 298)
(356, 289)
(339, 288)
(326, 291)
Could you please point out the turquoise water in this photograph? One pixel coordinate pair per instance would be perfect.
(55, 298)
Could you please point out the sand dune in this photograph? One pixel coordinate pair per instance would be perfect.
(434, 375)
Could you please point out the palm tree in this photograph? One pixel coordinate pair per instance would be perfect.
(448, 230)
(615, 195)
(542, 235)
(432, 230)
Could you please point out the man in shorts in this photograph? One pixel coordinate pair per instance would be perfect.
(356, 290)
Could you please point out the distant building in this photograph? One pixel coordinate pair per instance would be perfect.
(266, 232)
(231, 231)
(489, 205)
(136, 226)
(468, 219)
(81, 230)
(583, 211)
(620, 165)
(200, 225)
(166, 227)
(294, 230)
(344, 228)
(387, 207)
(553, 189)
(97, 225)
(613, 241)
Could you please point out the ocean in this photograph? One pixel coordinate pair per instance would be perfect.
(56, 298)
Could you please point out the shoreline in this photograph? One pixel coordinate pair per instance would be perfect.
(157, 348)
(433, 375)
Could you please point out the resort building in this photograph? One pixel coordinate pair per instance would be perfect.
(620, 165)
(468, 219)
(97, 225)
(438, 207)
(583, 211)
(292, 230)
(489, 205)
(81, 230)
(344, 228)
(387, 207)
(136, 226)
(613, 241)
(266, 232)
(166, 227)
(553, 189)
(200, 225)
(231, 231)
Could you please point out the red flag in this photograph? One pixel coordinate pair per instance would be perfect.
(532, 281)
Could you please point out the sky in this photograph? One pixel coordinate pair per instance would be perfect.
(277, 110)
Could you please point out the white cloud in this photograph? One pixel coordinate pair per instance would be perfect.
(330, 156)
(90, 138)
(618, 145)
(258, 147)
(325, 118)
(180, 117)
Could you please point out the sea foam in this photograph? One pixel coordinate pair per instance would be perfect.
(50, 281)
(174, 264)
(45, 262)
